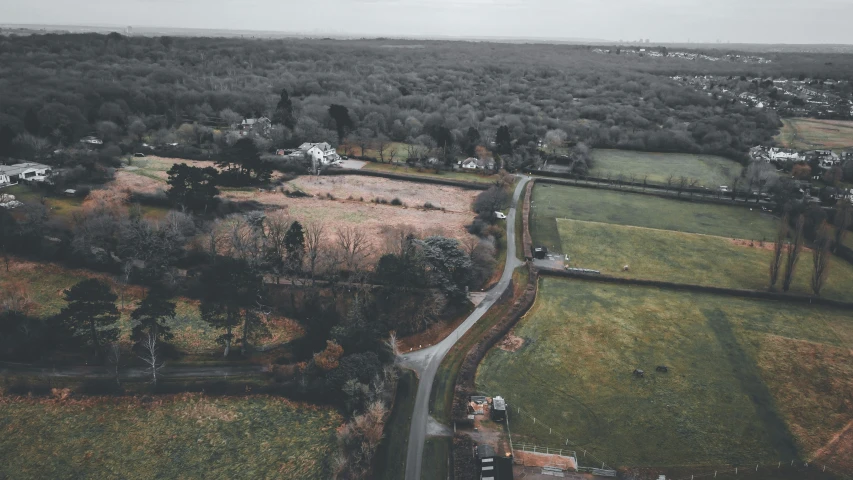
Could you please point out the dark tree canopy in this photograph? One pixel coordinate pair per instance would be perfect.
(91, 313)
(343, 122)
(152, 313)
(193, 187)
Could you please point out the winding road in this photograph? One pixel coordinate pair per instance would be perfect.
(425, 362)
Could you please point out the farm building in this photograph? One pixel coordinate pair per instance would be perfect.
(491, 466)
(23, 172)
(498, 409)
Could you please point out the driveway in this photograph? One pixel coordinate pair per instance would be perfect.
(426, 361)
(353, 164)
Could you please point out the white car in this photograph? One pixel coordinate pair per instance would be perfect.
(500, 215)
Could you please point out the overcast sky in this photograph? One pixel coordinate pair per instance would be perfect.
(752, 21)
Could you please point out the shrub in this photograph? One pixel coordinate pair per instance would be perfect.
(396, 202)
(430, 206)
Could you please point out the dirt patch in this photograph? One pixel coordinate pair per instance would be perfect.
(134, 182)
(839, 451)
(531, 459)
(511, 343)
(410, 193)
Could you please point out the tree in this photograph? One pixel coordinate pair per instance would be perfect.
(503, 140)
(193, 187)
(343, 122)
(778, 248)
(820, 256)
(231, 289)
(490, 201)
(151, 356)
(448, 265)
(284, 111)
(793, 251)
(801, 171)
(472, 139)
(7, 137)
(555, 139)
(32, 122)
(152, 313)
(243, 160)
(843, 218)
(294, 245)
(314, 240)
(91, 313)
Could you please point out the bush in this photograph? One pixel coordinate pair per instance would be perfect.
(477, 228)
(430, 206)
(396, 202)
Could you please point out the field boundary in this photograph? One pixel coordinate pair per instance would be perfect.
(700, 196)
(527, 240)
(735, 292)
(411, 178)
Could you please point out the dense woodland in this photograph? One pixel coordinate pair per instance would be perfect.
(62, 87)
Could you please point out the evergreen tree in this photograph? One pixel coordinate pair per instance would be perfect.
(152, 313)
(503, 140)
(294, 245)
(91, 313)
(32, 122)
(343, 122)
(284, 111)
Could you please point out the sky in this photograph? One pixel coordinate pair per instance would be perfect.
(736, 21)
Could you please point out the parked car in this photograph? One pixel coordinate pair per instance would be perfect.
(500, 215)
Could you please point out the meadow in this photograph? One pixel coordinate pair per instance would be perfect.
(711, 171)
(679, 257)
(749, 381)
(422, 172)
(550, 202)
(810, 133)
(180, 436)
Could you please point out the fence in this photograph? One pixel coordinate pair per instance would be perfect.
(528, 447)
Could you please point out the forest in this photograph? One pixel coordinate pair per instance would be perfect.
(59, 88)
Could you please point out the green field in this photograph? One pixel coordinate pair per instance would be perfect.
(687, 258)
(390, 463)
(711, 171)
(185, 436)
(550, 202)
(810, 133)
(749, 381)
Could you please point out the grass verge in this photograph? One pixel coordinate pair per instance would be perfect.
(391, 456)
(419, 172)
(436, 458)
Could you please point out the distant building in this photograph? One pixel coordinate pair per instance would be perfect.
(91, 140)
(261, 126)
(472, 163)
(320, 153)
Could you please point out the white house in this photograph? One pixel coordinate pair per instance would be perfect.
(320, 153)
(23, 172)
(259, 125)
(472, 163)
(779, 155)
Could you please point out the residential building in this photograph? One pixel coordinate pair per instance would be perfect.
(23, 172)
(262, 126)
(320, 153)
(472, 163)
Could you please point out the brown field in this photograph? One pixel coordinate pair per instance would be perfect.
(410, 193)
(376, 220)
(807, 133)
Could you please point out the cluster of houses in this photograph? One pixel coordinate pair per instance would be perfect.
(825, 159)
(791, 98)
(24, 172)
(663, 52)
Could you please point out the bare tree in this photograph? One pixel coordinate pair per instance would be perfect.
(114, 357)
(151, 356)
(354, 246)
(778, 247)
(820, 256)
(314, 242)
(793, 251)
(843, 217)
(382, 146)
(393, 344)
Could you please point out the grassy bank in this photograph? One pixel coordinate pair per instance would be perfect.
(711, 171)
(688, 258)
(391, 456)
(748, 380)
(184, 436)
(436, 458)
(419, 172)
(550, 202)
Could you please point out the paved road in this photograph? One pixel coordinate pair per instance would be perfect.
(426, 361)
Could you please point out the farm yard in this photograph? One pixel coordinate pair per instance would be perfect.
(711, 171)
(679, 257)
(178, 436)
(550, 202)
(810, 133)
(747, 381)
(42, 284)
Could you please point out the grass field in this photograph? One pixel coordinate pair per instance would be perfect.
(550, 202)
(420, 172)
(44, 283)
(809, 133)
(749, 381)
(688, 258)
(709, 170)
(185, 436)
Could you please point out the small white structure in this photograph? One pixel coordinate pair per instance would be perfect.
(500, 215)
(472, 163)
(92, 140)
